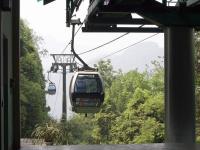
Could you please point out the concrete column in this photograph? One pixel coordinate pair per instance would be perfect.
(179, 85)
(15, 84)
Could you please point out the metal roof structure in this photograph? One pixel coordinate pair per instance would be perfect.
(107, 15)
(117, 15)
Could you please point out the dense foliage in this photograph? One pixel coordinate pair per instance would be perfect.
(197, 70)
(133, 109)
(32, 84)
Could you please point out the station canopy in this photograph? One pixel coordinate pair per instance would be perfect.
(136, 15)
(122, 15)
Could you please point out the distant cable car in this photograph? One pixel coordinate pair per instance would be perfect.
(86, 92)
(51, 89)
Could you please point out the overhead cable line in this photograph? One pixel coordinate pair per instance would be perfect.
(71, 40)
(103, 44)
(130, 45)
(108, 42)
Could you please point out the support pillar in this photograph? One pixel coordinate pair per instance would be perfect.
(16, 74)
(179, 85)
(64, 106)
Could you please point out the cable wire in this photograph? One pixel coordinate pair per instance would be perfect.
(130, 46)
(71, 40)
(108, 42)
(104, 44)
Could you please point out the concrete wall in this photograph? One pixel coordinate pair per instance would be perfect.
(9, 58)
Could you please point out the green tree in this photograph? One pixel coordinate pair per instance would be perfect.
(103, 122)
(82, 129)
(144, 110)
(133, 111)
(122, 89)
(133, 103)
(48, 131)
(32, 83)
(106, 70)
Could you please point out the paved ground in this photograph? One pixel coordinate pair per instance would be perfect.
(116, 147)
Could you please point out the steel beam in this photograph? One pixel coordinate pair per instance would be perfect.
(193, 2)
(111, 21)
(187, 18)
(98, 6)
(47, 1)
(152, 11)
(121, 29)
(167, 16)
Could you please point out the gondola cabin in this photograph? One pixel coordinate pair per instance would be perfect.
(86, 92)
(52, 89)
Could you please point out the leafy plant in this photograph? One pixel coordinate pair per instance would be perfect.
(32, 83)
(48, 131)
(198, 139)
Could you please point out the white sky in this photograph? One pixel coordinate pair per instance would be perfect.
(49, 22)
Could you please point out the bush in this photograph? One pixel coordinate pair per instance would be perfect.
(48, 131)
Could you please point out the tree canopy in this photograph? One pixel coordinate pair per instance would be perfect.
(32, 83)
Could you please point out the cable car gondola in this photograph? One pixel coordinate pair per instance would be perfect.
(86, 89)
(86, 92)
(51, 89)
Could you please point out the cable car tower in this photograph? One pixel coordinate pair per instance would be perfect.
(63, 61)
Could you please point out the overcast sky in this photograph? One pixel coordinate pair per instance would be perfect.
(49, 22)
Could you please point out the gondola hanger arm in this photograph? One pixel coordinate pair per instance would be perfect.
(48, 77)
(85, 65)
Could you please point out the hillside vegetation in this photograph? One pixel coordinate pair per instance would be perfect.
(32, 83)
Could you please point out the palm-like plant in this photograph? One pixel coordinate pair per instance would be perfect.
(48, 131)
